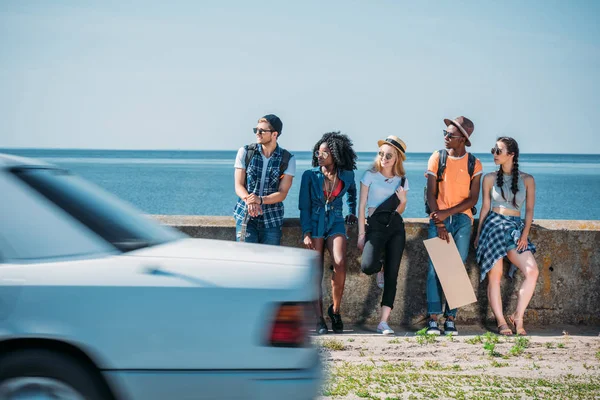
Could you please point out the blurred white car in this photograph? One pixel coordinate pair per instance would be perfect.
(98, 301)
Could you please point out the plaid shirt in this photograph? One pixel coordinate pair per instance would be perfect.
(498, 232)
(272, 213)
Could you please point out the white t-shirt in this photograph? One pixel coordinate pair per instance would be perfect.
(240, 162)
(380, 187)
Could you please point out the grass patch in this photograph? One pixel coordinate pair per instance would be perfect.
(560, 345)
(333, 344)
(394, 341)
(598, 355)
(433, 365)
(351, 340)
(401, 381)
(549, 345)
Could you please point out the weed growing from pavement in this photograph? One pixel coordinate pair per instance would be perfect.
(560, 345)
(394, 341)
(333, 344)
(598, 355)
(549, 345)
(474, 340)
(490, 347)
(521, 343)
(497, 364)
(351, 340)
(423, 338)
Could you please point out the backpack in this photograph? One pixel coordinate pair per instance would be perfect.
(285, 157)
(441, 168)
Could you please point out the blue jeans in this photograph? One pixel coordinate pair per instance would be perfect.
(459, 226)
(256, 232)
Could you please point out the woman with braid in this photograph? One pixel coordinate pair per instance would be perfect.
(321, 215)
(502, 232)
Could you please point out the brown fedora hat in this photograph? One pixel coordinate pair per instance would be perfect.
(464, 125)
(395, 142)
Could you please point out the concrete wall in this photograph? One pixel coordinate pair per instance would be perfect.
(567, 292)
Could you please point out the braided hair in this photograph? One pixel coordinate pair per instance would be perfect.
(512, 147)
(341, 149)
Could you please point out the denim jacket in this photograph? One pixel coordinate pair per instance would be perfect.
(312, 200)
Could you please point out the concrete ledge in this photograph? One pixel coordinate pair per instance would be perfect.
(567, 292)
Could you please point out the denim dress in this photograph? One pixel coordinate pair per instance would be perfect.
(321, 219)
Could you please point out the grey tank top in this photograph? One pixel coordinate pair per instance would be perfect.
(499, 201)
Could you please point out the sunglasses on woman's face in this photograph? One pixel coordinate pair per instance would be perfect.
(321, 154)
(387, 156)
(496, 150)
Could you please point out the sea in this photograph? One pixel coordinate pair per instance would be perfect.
(173, 182)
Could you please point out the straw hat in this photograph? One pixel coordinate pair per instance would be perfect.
(395, 142)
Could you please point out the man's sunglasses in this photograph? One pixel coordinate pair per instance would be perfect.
(322, 154)
(261, 131)
(387, 156)
(446, 133)
(496, 150)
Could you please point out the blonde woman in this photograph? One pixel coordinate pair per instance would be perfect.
(383, 195)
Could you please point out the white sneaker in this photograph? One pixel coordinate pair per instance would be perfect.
(384, 329)
(380, 281)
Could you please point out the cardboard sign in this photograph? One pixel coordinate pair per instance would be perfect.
(451, 272)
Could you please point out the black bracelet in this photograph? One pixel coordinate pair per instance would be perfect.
(261, 200)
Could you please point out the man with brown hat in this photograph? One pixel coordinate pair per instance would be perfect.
(453, 182)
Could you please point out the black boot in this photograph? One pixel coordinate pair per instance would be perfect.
(336, 320)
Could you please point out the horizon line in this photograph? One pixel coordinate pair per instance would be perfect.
(193, 150)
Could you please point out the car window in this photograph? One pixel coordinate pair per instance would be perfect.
(32, 229)
(112, 219)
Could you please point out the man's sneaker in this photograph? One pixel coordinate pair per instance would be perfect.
(321, 326)
(450, 328)
(336, 320)
(432, 328)
(384, 329)
(380, 281)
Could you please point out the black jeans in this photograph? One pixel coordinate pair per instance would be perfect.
(384, 232)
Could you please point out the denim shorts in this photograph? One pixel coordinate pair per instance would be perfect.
(338, 228)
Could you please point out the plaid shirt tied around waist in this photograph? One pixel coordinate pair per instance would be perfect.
(498, 233)
(272, 213)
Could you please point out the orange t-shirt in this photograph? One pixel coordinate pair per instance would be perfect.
(456, 182)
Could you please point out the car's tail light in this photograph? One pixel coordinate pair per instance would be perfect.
(289, 327)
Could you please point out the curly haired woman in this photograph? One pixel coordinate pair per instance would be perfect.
(321, 214)
(502, 232)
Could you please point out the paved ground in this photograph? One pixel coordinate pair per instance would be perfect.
(552, 363)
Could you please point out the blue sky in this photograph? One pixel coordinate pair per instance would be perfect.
(198, 74)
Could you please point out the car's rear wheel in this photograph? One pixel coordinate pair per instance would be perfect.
(43, 374)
